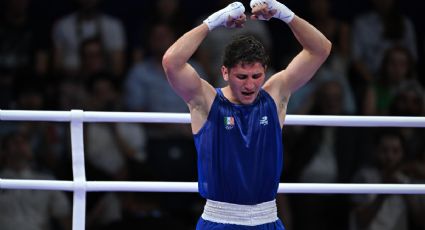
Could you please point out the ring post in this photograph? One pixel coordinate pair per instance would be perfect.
(78, 170)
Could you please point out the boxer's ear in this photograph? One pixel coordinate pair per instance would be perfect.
(225, 73)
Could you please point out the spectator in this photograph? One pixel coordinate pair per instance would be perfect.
(23, 42)
(335, 67)
(47, 150)
(88, 22)
(376, 31)
(337, 30)
(383, 211)
(170, 148)
(113, 150)
(397, 68)
(93, 59)
(147, 88)
(110, 146)
(169, 12)
(23, 48)
(415, 169)
(331, 156)
(71, 94)
(409, 100)
(29, 209)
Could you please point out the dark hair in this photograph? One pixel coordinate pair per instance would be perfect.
(245, 49)
(6, 141)
(99, 77)
(89, 41)
(394, 28)
(383, 132)
(387, 57)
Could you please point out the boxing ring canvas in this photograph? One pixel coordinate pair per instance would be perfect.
(80, 186)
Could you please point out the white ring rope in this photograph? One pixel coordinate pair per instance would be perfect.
(145, 117)
(166, 186)
(80, 186)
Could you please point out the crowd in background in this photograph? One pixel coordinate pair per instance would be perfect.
(105, 55)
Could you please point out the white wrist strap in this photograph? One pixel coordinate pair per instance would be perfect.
(219, 18)
(282, 12)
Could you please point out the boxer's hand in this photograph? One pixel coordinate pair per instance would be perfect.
(231, 16)
(266, 9)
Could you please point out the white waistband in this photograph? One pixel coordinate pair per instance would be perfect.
(248, 215)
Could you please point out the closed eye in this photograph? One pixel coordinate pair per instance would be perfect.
(256, 76)
(242, 76)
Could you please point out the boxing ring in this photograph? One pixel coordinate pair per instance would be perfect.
(80, 186)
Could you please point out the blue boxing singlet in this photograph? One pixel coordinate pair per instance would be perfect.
(240, 151)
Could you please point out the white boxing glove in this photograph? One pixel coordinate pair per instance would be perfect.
(282, 12)
(220, 18)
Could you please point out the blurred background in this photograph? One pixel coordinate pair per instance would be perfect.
(105, 55)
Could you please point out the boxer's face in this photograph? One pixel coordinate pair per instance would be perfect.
(245, 81)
